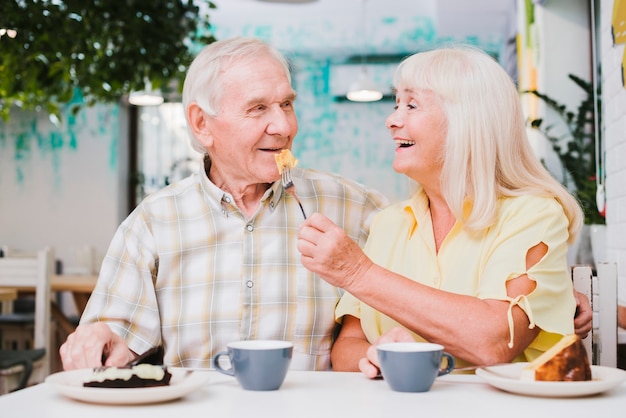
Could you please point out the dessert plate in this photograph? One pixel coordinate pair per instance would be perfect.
(70, 384)
(507, 377)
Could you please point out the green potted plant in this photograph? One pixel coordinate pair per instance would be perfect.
(576, 148)
(57, 54)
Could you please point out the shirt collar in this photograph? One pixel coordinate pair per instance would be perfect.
(217, 197)
(417, 207)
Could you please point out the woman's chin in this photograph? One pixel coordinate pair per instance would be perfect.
(399, 167)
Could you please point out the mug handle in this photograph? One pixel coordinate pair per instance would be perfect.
(216, 364)
(449, 364)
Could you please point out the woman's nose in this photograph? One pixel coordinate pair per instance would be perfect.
(393, 120)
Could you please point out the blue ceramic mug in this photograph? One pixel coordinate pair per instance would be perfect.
(412, 366)
(256, 364)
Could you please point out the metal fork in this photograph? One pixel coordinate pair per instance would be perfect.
(290, 188)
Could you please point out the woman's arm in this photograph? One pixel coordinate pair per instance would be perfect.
(473, 329)
(350, 346)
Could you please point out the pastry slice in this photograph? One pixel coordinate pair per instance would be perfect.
(566, 361)
(285, 159)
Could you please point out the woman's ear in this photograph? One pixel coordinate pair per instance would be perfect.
(199, 124)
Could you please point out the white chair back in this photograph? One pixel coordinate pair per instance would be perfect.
(33, 272)
(601, 290)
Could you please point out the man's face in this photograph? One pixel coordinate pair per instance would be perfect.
(256, 119)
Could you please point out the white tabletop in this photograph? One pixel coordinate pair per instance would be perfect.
(325, 395)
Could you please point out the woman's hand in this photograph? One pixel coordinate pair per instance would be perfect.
(370, 366)
(584, 315)
(329, 252)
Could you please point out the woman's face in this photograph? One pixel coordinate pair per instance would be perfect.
(418, 127)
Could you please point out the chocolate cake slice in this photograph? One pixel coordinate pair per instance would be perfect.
(147, 370)
(139, 376)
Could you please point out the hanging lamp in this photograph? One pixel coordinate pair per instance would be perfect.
(146, 97)
(364, 89)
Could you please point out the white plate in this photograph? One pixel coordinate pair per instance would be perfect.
(70, 384)
(507, 377)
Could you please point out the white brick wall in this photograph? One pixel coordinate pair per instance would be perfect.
(614, 120)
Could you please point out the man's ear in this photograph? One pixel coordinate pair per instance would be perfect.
(199, 124)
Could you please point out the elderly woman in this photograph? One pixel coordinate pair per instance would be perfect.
(475, 259)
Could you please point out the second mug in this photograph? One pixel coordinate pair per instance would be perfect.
(412, 366)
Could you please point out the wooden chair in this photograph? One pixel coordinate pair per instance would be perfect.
(601, 343)
(21, 367)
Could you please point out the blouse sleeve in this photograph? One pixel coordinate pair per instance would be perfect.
(348, 305)
(525, 223)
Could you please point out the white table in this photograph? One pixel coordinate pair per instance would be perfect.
(326, 395)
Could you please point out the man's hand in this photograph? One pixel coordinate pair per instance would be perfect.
(91, 345)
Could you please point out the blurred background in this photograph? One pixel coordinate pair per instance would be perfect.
(67, 179)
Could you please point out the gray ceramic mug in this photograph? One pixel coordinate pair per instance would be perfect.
(412, 366)
(257, 364)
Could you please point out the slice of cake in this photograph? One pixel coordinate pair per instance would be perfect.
(139, 376)
(566, 361)
(285, 159)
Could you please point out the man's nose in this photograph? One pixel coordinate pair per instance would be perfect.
(280, 122)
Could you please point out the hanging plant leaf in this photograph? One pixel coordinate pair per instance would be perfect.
(576, 148)
(104, 49)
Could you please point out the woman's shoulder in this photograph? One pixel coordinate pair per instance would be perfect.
(531, 206)
(530, 201)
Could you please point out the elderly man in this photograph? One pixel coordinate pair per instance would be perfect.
(213, 258)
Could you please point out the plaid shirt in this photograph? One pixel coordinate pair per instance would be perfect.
(188, 270)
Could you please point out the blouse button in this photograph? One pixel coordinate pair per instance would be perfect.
(250, 283)
(250, 228)
(226, 199)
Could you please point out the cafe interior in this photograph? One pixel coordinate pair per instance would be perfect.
(69, 177)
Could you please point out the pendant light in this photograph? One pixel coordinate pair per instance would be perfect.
(146, 97)
(364, 89)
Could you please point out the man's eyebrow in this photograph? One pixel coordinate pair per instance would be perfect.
(256, 100)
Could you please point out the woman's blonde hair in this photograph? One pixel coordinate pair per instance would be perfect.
(203, 83)
(487, 152)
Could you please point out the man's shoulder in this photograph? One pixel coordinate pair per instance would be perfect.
(322, 182)
(186, 185)
(185, 195)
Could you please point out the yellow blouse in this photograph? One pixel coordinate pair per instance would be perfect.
(477, 264)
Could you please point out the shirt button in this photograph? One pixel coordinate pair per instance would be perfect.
(250, 283)
(249, 227)
(272, 205)
(226, 199)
